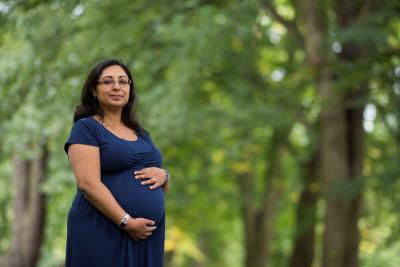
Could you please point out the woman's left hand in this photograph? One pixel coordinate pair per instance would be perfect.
(155, 176)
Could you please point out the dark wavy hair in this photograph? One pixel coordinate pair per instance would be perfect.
(89, 105)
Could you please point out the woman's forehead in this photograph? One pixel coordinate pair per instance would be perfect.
(113, 71)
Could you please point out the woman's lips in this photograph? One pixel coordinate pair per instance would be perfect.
(116, 96)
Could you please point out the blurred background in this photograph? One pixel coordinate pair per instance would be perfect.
(278, 121)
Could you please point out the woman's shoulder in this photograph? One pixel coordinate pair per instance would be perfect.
(87, 123)
(146, 134)
(83, 131)
(143, 132)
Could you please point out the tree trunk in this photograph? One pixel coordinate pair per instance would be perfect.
(341, 130)
(348, 14)
(356, 147)
(246, 186)
(341, 248)
(259, 221)
(29, 212)
(303, 248)
(335, 173)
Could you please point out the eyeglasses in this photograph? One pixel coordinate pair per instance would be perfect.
(110, 82)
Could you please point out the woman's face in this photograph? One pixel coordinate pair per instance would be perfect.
(113, 88)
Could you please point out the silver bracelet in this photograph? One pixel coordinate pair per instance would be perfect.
(124, 221)
(166, 176)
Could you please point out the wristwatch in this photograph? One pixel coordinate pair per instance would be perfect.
(124, 221)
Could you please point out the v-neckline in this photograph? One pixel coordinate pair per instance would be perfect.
(123, 139)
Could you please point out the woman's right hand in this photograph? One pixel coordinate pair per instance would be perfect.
(140, 228)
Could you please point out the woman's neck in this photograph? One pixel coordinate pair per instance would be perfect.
(112, 119)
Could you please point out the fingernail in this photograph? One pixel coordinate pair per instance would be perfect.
(142, 183)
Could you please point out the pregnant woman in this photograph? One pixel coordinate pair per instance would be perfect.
(117, 217)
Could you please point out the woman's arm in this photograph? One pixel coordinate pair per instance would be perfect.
(85, 163)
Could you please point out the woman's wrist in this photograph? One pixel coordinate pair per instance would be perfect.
(124, 221)
(165, 185)
(166, 176)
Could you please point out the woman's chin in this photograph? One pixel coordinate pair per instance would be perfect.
(114, 105)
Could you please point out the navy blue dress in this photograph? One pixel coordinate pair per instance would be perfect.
(92, 238)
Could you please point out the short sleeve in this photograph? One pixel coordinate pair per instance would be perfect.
(146, 135)
(82, 132)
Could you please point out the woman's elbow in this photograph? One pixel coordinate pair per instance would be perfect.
(86, 185)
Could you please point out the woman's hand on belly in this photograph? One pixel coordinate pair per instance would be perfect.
(156, 177)
(140, 228)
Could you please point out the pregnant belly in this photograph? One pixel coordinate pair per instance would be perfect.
(136, 199)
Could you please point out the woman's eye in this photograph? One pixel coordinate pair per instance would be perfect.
(108, 82)
(123, 82)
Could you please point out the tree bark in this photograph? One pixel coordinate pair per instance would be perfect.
(259, 220)
(349, 13)
(303, 248)
(29, 212)
(246, 186)
(341, 230)
(356, 152)
(341, 134)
